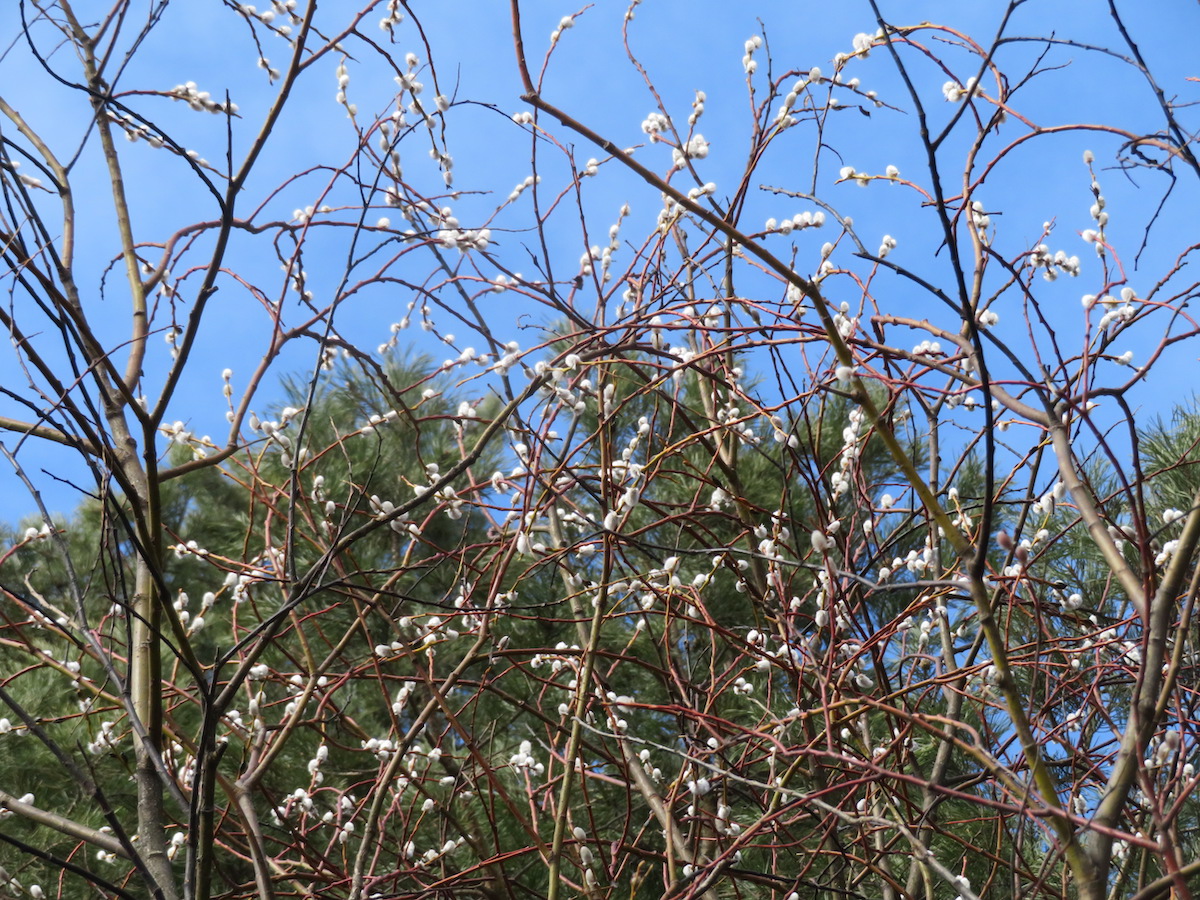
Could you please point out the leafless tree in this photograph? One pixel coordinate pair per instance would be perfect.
(721, 557)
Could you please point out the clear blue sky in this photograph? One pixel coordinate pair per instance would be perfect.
(685, 46)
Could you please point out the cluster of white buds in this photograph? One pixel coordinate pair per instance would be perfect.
(135, 130)
(1166, 748)
(749, 63)
(240, 585)
(916, 562)
(789, 101)
(683, 359)
(530, 181)
(195, 622)
(697, 108)
(655, 125)
(799, 221)
(442, 157)
(452, 503)
(840, 481)
(381, 509)
(564, 659)
(386, 651)
(696, 147)
(849, 173)
(433, 853)
(1041, 258)
(1072, 602)
(1048, 502)
(105, 856)
(375, 420)
(732, 416)
(106, 740)
(343, 79)
(953, 91)
(389, 132)
(264, 63)
(171, 338)
(1166, 553)
(524, 760)
(512, 355)
(314, 764)
(564, 23)
(981, 221)
(1171, 516)
(655, 772)
(453, 237)
(844, 322)
(5, 812)
(465, 356)
(380, 748)
(286, 8)
(175, 844)
(771, 541)
(630, 497)
(964, 884)
(273, 431)
(1095, 236)
(1118, 311)
(199, 100)
(668, 215)
(176, 433)
(820, 541)
(863, 42)
(36, 534)
(407, 82)
(393, 17)
(783, 116)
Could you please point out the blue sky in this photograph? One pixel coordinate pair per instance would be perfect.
(685, 47)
